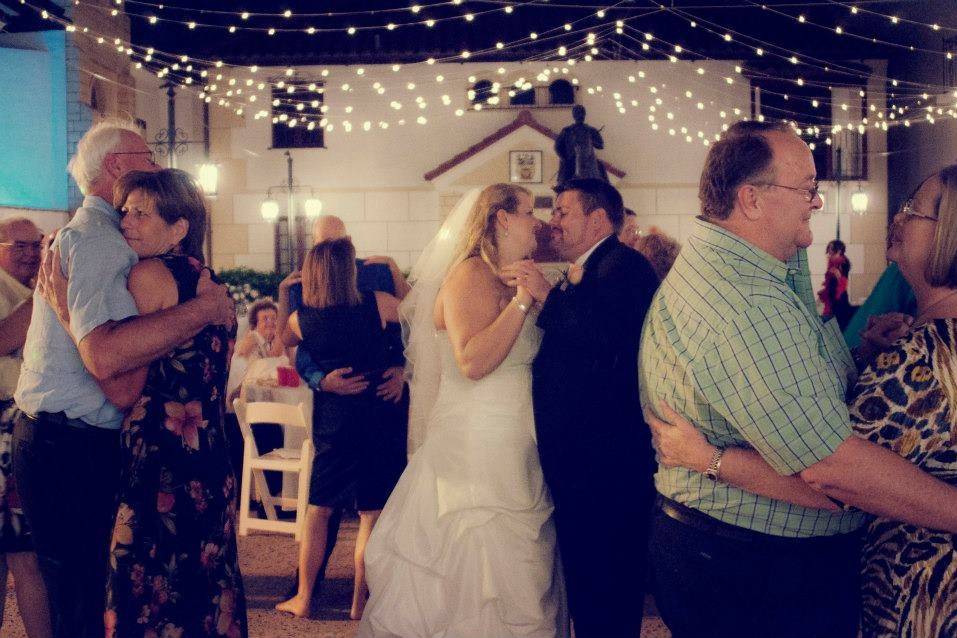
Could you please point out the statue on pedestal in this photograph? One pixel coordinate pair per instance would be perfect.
(576, 146)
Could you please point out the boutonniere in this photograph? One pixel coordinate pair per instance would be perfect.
(573, 276)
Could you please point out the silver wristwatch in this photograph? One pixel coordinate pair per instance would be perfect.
(715, 466)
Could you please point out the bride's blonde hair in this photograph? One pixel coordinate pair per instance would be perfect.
(478, 240)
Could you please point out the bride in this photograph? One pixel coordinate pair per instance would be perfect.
(466, 544)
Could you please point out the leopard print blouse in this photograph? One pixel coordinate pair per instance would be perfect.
(906, 401)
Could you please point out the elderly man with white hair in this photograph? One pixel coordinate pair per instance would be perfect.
(73, 394)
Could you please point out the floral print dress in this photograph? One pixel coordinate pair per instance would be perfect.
(906, 401)
(174, 567)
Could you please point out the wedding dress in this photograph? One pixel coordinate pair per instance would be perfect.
(465, 547)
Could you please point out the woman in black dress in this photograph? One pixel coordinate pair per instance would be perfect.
(360, 438)
(174, 565)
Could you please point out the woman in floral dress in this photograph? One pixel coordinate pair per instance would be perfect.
(174, 567)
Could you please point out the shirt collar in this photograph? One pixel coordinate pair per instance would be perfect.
(584, 256)
(724, 240)
(100, 205)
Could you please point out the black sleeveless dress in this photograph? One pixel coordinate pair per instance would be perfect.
(360, 440)
(174, 565)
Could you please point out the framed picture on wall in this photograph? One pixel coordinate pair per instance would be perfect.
(525, 167)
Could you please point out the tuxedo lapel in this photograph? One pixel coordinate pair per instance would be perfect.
(606, 247)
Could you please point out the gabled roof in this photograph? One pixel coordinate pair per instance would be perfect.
(525, 118)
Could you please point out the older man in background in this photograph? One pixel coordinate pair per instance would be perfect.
(66, 441)
(19, 262)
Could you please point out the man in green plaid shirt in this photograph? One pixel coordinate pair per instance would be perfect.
(733, 342)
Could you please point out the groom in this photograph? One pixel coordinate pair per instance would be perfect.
(594, 446)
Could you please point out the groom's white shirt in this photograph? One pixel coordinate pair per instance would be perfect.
(584, 256)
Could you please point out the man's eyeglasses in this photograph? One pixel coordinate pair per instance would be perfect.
(909, 210)
(809, 193)
(23, 247)
(152, 158)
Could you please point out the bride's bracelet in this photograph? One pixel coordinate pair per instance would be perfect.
(521, 306)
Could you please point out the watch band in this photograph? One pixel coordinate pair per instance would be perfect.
(714, 468)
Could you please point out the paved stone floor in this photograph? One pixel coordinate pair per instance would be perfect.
(268, 562)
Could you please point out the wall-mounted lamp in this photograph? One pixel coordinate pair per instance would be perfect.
(209, 178)
(859, 201)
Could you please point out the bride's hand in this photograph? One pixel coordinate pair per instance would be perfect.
(526, 274)
(677, 441)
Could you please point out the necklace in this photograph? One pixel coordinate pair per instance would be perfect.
(925, 314)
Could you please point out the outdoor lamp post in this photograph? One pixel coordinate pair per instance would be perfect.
(286, 257)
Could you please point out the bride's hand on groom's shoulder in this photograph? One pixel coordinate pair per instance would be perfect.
(526, 274)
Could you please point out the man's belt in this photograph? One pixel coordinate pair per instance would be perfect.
(61, 419)
(704, 523)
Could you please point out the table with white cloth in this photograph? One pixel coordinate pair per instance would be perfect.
(268, 390)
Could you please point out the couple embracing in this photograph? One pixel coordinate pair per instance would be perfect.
(528, 429)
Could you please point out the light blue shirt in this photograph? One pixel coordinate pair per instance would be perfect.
(97, 260)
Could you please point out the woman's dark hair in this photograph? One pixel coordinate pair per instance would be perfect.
(176, 196)
(742, 156)
(256, 308)
(329, 274)
(597, 193)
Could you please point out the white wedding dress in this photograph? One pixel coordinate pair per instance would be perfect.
(465, 547)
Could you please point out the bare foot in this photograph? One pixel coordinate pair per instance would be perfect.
(298, 606)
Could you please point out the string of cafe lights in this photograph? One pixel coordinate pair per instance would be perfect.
(129, 50)
(841, 31)
(243, 18)
(763, 47)
(893, 19)
(918, 98)
(366, 122)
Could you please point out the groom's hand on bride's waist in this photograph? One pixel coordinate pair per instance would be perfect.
(339, 382)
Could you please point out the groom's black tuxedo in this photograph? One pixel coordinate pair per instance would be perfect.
(594, 445)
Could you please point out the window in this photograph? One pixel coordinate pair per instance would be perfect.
(561, 92)
(480, 92)
(296, 114)
(522, 98)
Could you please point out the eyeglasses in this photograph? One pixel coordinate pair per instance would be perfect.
(909, 210)
(809, 193)
(152, 157)
(22, 247)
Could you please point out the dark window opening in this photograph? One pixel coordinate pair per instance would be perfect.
(561, 92)
(297, 114)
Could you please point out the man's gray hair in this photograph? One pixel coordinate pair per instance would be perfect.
(92, 149)
(8, 222)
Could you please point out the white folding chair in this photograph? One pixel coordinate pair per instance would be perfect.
(282, 460)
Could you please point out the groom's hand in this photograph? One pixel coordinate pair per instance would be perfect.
(526, 274)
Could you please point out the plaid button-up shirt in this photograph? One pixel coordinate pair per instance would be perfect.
(733, 341)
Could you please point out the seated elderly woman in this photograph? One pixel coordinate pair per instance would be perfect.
(261, 341)
(905, 400)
